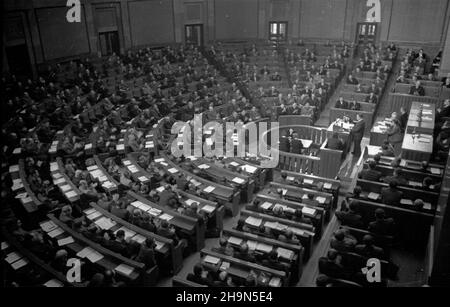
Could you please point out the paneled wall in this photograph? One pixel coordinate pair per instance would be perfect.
(236, 19)
(152, 22)
(58, 37)
(323, 19)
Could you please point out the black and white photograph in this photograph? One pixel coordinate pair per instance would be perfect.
(229, 150)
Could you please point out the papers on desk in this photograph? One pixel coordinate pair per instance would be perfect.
(138, 238)
(13, 257)
(266, 205)
(211, 260)
(48, 226)
(164, 163)
(143, 179)
(94, 256)
(103, 178)
(108, 185)
(14, 168)
(373, 195)
(65, 241)
(308, 211)
(85, 251)
(71, 194)
(26, 200)
(238, 180)
(166, 217)
(17, 184)
(209, 189)
(285, 253)
(235, 164)
(327, 185)
(154, 211)
(65, 188)
(125, 269)
(132, 168)
(275, 282)
(160, 189)
(234, 241)
(96, 173)
(195, 182)
(55, 232)
(252, 245)
(93, 215)
(284, 191)
(54, 166)
(427, 206)
(5, 245)
(88, 146)
(415, 184)
(424, 140)
(92, 168)
(321, 199)
(308, 181)
(159, 160)
(290, 178)
(19, 263)
(17, 151)
(53, 283)
(208, 208)
(173, 170)
(297, 231)
(435, 171)
(253, 221)
(126, 162)
(59, 181)
(120, 147)
(128, 233)
(249, 169)
(406, 201)
(22, 195)
(265, 248)
(105, 223)
(56, 175)
(89, 211)
(203, 166)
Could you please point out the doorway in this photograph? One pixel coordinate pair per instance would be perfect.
(109, 43)
(194, 34)
(278, 31)
(366, 33)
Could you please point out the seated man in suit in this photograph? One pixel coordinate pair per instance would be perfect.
(391, 195)
(200, 276)
(307, 110)
(341, 103)
(342, 241)
(331, 265)
(296, 144)
(167, 232)
(444, 111)
(381, 226)
(349, 216)
(367, 249)
(417, 90)
(371, 173)
(225, 248)
(335, 143)
(354, 105)
(245, 254)
(352, 80)
(396, 176)
(372, 98)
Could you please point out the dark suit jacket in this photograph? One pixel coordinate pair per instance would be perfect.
(335, 144)
(391, 196)
(370, 174)
(358, 130)
(382, 227)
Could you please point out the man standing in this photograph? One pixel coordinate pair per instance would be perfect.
(357, 133)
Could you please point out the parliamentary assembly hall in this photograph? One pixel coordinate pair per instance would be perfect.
(225, 144)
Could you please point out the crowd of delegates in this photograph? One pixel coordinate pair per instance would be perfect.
(415, 67)
(371, 61)
(175, 80)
